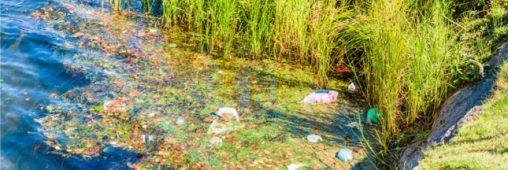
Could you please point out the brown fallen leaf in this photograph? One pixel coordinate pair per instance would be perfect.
(78, 34)
(209, 119)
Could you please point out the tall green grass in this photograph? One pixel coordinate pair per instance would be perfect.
(408, 50)
(301, 31)
(402, 51)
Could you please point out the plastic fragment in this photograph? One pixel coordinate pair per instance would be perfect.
(294, 166)
(345, 154)
(314, 138)
(216, 141)
(227, 113)
(217, 128)
(130, 165)
(147, 138)
(351, 88)
(180, 121)
(373, 115)
(114, 106)
(108, 150)
(353, 125)
(321, 91)
(341, 70)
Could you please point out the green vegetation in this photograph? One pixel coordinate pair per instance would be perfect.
(410, 54)
(137, 95)
(481, 143)
(406, 55)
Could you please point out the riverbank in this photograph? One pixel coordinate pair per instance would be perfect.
(156, 80)
(481, 142)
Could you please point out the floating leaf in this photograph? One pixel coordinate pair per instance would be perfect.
(99, 108)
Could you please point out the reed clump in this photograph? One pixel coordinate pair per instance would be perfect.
(406, 54)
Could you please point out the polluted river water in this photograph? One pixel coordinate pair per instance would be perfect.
(84, 88)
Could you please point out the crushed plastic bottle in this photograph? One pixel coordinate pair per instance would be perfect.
(314, 138)
(345, 155)
(321, 96)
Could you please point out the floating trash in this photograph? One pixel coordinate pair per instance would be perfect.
(118, 105)
(227, 113)
(294, 166)
(342, 70)
(345, 154)
(353, 125)
(321, 96)
(351, 88)
(217, 128)
(180, 121)
(130, 165)
(314, 138)
(373, 115)
(108, 149)
(216, 141)
(147, 138)
(322, 91)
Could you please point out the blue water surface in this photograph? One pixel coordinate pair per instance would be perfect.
(31, 70)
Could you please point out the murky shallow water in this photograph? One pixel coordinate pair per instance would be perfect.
(82, 88)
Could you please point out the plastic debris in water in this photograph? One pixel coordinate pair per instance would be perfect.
(216, 141)
(294, 166)
(147, 138)
(180, 121)
(373, 115)
(217, 128)
(108, 150)
(314, 138)
(351, 88)
(321, 91)
(341, 70)
(115, 105)
(321, 97)
(130, 165)
(228, 113)
(353, 125)
(345, 154)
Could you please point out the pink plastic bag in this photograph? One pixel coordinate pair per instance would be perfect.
(321, 96)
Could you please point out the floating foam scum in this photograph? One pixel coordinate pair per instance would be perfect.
(151, 85)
